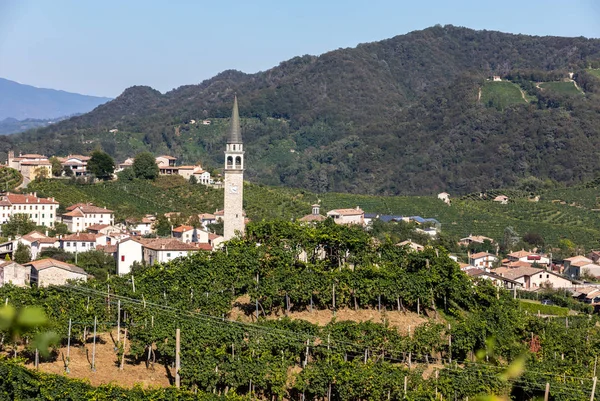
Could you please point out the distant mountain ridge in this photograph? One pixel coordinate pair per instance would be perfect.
(22, 102)
(398, 116)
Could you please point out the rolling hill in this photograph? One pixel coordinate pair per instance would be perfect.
(399, 116)
(22, 102)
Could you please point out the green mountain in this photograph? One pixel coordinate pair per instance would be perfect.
(413, 114)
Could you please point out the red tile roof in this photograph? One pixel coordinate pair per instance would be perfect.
(167, 244)
(182, 229)
(36, 236)
(347, 212)
(86, 237)
(89, 208)
(27, 199)
(48, 263)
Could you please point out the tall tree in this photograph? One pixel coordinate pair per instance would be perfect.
(101, 165)
(145, 167)
(57, 168)
(18, 224)
(22, 254)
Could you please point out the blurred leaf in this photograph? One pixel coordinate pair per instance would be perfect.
(44, 340)
(7, 316)
(31, 317)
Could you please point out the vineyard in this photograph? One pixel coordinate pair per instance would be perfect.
(472, 333)
(9, 179)
(559, 213)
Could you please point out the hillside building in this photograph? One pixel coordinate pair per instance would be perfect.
(42, 211)
(30, 166)
(347, 216)
(233, 213)
(82, 215)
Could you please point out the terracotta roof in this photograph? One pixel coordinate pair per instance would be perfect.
(27, 199)
(518, 263)
(31, 156)
(186, 167)
(97, 227)
(36, 236)
(520, 254)
(463, 266)
(477, 238)
(167, 157)
(182, 229)
(313, 217)
(89, 208)
(212, 236)
(412, 245)
(80, 157)
(518, 272)
(206, 216)
(167, 244)
(481, 255)
(107, 248)
(80, 237)
(474, 272)
(579, 260)
(74, 213)
(204, 247)
(346, 212)
(48, 263)
(220, 213)
(36, 163)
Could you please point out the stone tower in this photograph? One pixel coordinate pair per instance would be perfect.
(233, 214)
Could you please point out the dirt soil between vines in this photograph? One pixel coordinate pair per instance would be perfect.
(400, 320)
(107, 369)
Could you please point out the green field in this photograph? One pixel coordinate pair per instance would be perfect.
(560, 213)
(533, 307)
(501, 94)
(595, 72)
(566, 88)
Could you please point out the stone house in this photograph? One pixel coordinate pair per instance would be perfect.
(47, 272)
(347, 216)
(14, 273)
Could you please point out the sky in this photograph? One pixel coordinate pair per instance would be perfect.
(102, 47)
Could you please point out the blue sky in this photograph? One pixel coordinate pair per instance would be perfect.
(101, 47)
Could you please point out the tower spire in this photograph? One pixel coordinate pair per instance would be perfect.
(235, 131)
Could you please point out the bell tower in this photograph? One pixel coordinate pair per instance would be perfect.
(233, 213)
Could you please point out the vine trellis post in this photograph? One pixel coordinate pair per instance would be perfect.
(177, 357)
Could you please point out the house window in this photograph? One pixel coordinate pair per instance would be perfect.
(68, 244)
(547, 276)
(83, 244)
(43, 215)
(168, 254)
(91, 244)
(122, 258)
(540, 275)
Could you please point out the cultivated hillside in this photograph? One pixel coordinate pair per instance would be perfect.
(22, 102)
(399, 116)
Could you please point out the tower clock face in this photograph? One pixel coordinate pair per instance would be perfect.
(233, 189)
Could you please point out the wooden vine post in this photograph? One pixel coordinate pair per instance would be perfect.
(94, 345)
(177, 357)
(68, 360)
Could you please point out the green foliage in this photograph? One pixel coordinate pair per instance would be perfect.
(144, 166)
(533, 308)
(97, 263)
(501, 95)
(18, 224)
(57, 168)
(22, 254)
(566, 88)
(193, 179)
(399, 116)
(101, 165)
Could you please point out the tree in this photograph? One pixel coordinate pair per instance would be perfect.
(126, 175)
(57, 168)
(22, 254)
(68, 171)
(97, 263)
(18, 224)
(162, 226)
(533, 239)
(193, 179)
(145, 167)
(101, 165)
(41, 174)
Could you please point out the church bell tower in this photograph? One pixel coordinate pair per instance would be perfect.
(233, 214)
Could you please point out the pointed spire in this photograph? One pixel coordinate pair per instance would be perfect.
(235, 131)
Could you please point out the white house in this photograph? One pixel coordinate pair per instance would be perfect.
(529, 257)
(497, 280)
(574, 267)
(77, 163)
(128, 251)
(79, 242)
(444, 197)
(42, 211)
(37, 242)
(502, 199)
(47, 272)
(82, 215)
(14, 273)
(347, 216)
(532, 278)
(206, 219)
(413, 246)
(483, 260)
(162, 250)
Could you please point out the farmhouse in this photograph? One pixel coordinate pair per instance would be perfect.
(482, 259)
(347, 216)
(82, 215)
(42, 211)
(14, 273)
(47, 272)
(532, 278)
(37, 242)
(478, 239)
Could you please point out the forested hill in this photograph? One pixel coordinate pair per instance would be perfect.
(413, 114)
